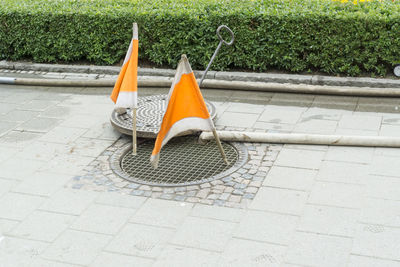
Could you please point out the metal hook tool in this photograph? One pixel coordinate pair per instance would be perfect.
(221, 41)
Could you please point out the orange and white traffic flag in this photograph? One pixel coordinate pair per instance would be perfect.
(186, 109)
(124, 94)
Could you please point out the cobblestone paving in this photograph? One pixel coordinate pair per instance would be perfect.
(235, 190)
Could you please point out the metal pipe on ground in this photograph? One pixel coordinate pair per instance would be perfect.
(217, 84)
(305, 139)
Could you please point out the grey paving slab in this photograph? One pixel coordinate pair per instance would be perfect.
(7, 152)
(103, 219)
(204, 233)
(89, 147)
(19, 115)
(357, 132)
(323, 114)
(16, 206)
(141, 240)
(387, 151)
(11, 168)
(182, 256)
(38, 124)
(316, 126)
(386, 166)
(81, 121)
(106, 259)
(7, 107)
(70, 164)
(218, 213)
(280, 200)
(6, 226)
(42, 183)
(162, 213)
(389, 130)
(350, 154)
(290, 178)
(20, 97)
(299, 158)
(240, 252)
(358, 122)
(69, 201)
(63, 135)
(383, 187)
(6, 127)
(377, 241)
(42, 151)
(318, 250)
(6, 185)
(19, 252)
(343, 172)
(267, 227)
(57, 112)
(76, 247)
(103, 131)
(43, 226)
(337, 194)
(119, 200)
(38, 105)
(245, 108)
(19, 139)
(274, 127)
(278, 114)
(329, 220)
(356, 261)
(48, 263)
(381, 211)
(237, 119)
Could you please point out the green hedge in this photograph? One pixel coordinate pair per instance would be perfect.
(290, 35)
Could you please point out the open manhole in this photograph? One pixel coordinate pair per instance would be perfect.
(183, 161)
(149, 116)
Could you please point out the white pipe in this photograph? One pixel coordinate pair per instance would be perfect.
(7, 80)
(308, 139)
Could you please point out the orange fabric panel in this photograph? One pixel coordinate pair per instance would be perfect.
(129, 82)
(186, 101)
(127, 78)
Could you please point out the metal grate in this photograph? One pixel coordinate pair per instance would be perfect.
(182, 162)
(149, 116)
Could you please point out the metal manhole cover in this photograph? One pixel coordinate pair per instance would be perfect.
(183, 161)
(149, 115)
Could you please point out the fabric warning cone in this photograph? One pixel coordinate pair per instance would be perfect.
(124, 94)
(186, 109)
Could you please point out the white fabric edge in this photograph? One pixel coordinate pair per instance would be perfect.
(183, 68)
(128, 54)
(126, 100)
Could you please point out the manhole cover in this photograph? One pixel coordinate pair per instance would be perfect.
(149, 115)
(182, 162)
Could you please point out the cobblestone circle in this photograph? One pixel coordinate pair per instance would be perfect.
(235, 190)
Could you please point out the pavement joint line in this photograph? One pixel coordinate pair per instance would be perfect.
(152, 225)
(324, 234)
(374, 257)
(332, 206)
(259, 241)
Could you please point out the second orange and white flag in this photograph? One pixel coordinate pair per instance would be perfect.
(186, 109)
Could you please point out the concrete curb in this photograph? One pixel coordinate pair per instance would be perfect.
(217, 75)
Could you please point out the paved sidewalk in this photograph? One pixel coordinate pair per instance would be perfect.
(315, 206)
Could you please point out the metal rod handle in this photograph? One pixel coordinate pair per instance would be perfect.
(221, 41)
